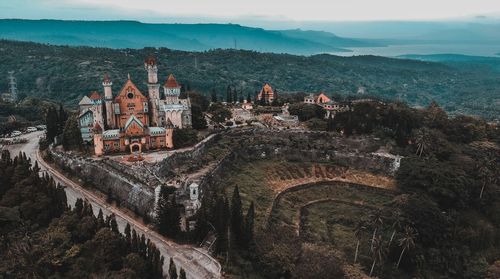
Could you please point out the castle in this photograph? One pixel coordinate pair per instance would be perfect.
(131, 121)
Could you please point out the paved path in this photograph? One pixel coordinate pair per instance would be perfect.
(195, 262)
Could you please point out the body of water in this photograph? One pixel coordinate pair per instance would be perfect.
(426, 49)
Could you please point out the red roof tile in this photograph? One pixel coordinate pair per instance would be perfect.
(171, 82)
(95, 96)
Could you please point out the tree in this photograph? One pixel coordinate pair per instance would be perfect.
(219, 113)
(214, 96)
(51, 120)
(229, 94)
(198, 118)
(249, 98)
(128, 236)
(72, 137)
(486, 175)
(406, 242)
(184, 137)
(62, 117)
(182, 274)
(167, 213)
(377, 252)
(172, 269)
(358, 231)
(376, 221)
(422, 140)
(237, 217)
(397, 218)
(249, 221)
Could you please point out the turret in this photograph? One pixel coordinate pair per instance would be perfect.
(152, 68)
(98, 144)
(169, 132)
(153, 89)
(108, 100)
(172, 90)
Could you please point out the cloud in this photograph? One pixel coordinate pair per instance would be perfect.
(310, 10)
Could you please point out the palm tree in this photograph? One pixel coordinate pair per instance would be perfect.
(487, 175)
(358, 231)
(377, 252)
(406, 242)
(376, 221)
(396, 223)
(422, 140)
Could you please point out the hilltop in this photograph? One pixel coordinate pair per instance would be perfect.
(65, 74)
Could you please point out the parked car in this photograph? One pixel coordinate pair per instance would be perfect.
(31, 129)
(41, 127)
(15, 134)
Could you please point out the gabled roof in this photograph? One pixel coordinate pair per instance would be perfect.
(129, 86)
(85, 101)
(267, 88)
(131, 120)
(95, 96)
(83, 112)
(171, 82)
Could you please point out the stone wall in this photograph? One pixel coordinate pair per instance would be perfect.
(102, 175)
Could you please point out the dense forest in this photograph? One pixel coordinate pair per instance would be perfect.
(65, 74)
(41, 237)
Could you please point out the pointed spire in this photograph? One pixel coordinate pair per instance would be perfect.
(106, 78)
(128, 76)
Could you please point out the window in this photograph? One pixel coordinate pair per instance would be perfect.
(130, 95)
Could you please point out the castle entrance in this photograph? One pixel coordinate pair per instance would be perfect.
(135, 148)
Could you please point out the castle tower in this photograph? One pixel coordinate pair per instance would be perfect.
(169, 132)
(153, 89)
(172, 90)
(98, 143)
(108, 100)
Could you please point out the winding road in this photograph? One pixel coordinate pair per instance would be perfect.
(196, 262)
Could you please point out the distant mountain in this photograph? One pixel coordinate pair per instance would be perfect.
(190, 37)
(328, 38)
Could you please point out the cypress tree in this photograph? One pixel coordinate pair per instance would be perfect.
(249, 98)
(62, 117)
(113, 225)
(135, 242)
(100, 220)
(237, 217)
(128, 236)
(182, 274)
(229, 95)
(52, 121)
(249, 221)
(214, 96)
(79, 206)
(172, 270)
(71, 134)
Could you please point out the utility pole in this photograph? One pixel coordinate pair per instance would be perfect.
(196, 63)
(12, 86)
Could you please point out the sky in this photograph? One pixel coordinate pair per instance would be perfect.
(254, 10)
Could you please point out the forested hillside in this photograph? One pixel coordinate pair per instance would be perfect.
(41, 237)
(67, 73)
